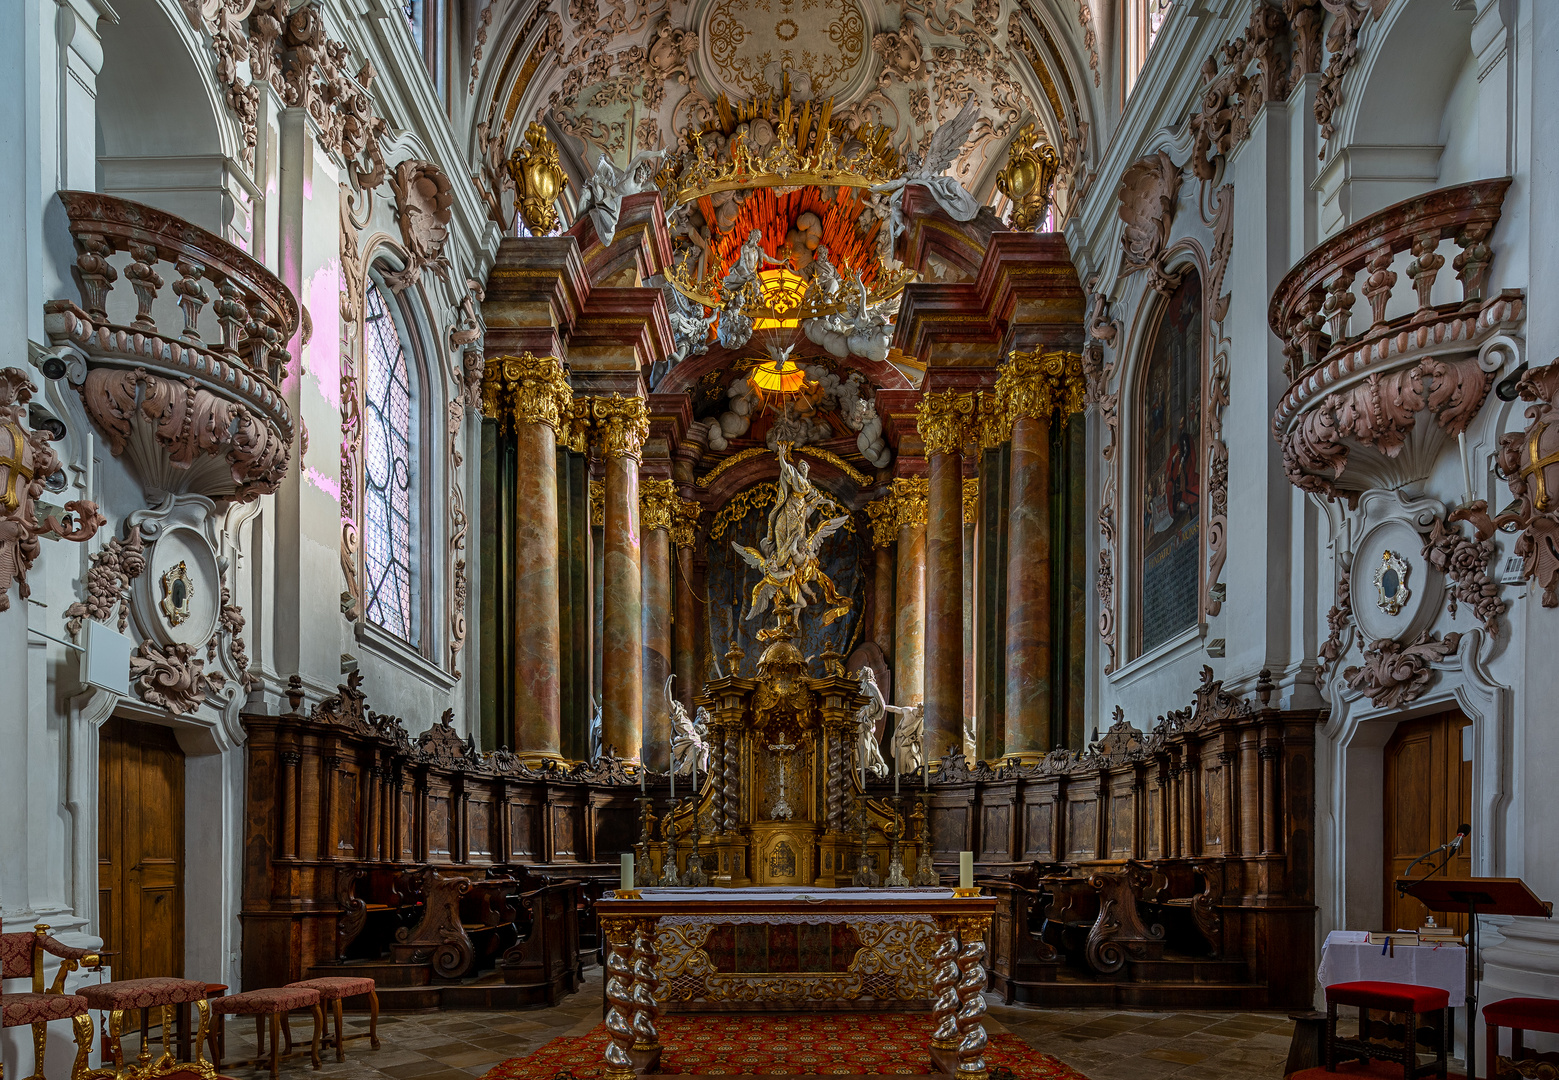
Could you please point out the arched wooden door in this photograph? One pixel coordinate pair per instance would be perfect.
(1428, 793)
(140, 869)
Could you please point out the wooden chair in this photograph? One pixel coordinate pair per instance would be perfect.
(335, 989)
(275, 1002)
(1407, 998)
(21, 956)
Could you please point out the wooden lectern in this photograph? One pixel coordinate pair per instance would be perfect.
(1475, 896)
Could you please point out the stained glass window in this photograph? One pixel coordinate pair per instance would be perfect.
(389, 472)
(1158, 11)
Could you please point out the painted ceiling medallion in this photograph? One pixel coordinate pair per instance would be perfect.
(825, 40)
(1391, 582)
(177, 591)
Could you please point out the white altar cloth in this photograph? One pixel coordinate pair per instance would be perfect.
(1442, 966)
(822, 901)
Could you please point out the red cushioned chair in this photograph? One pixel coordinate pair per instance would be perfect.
(1413, 1001)
(1520, 1015)
(21, 957)
(333, 989)
(274, 1002)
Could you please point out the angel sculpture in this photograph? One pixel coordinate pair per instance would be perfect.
(751, 259)
(689, 332)
(825, 276)
(596, 727)
(929, 173)
(604, 191)
(866, 333)
(690, 737)
(867, 719)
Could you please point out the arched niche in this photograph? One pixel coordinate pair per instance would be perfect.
(163, 135)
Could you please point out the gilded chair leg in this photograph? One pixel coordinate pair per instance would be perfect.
(143, 1059)
(275, 1042)
(373, 1019)
(319, 1023)
(40, 1038)
(83, 1025)
(203, 1009)
(168, 1053)
(116, 1047)
(340, 1047)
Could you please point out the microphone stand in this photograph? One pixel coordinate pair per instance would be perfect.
(1450, 848)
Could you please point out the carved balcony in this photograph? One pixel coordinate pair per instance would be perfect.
(1377, 389)
(189, 396)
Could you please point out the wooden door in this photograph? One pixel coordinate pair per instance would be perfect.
(1428, 793)
(140, 869)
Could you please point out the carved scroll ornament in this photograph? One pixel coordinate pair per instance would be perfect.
(1149, 190)
(172, 677)
(424, 199)
(1394, 674)
(26, 461)
(1530, 462)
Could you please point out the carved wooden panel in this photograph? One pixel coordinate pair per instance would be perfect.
(1122, 838)
(995, 826)
(523, 841)
(408, 825)
(566, 832)
(439, 823)
(616, 831)
(949, 829)
(349, 822)
(1082, 828)
(1038, 831)
(1213, 776)
(479, 830)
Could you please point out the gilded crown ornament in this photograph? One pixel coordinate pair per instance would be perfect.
(538, 180)
(1040, 383)
(1029, 177)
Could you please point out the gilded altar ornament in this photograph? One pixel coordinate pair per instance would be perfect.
(527, 389)
(177, 592)
(788, 557)
(943, 420)
(1391, 588)
(1029, 178)
(538, 180)
(1037, 384)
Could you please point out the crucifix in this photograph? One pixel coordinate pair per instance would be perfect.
(782, 809)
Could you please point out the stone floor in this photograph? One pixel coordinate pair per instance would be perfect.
(1103, 1043)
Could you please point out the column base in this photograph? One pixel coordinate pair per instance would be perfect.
(534, 758)
(647, 1061)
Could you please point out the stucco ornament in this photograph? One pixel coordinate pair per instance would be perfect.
(1149, 190)
(423, 201)
(172, 677)
(538, 180)
(1394, 674)
(26, 462)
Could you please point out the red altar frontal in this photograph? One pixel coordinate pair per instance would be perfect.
(773, 950)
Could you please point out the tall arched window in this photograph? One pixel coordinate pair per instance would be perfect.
(390, 475)
(1169, 464)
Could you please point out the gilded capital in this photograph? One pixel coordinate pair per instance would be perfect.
(684, 522)
(971, 500)
(656, 498)
(943, 420)
(992, 424)
(1038, 384)
(598, 504)
(526, 389)
(884, 517)
(623, 424)
(574, 430)
(910, 499)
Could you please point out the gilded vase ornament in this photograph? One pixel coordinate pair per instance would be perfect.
(538, 180)
(1028, 178)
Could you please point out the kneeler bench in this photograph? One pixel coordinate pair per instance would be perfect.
(275, 1002)
(335, 988)
(1520, 1014)
(139, 995)
(1408, 998)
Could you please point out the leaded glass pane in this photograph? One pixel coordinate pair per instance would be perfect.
(389, 509)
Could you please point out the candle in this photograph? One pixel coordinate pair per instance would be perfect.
(627, 876)
(966, 869)
(895, 773)
(925, 767)
(643, 773)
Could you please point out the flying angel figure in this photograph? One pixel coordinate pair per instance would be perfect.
(787, 583)
(949, 194)
(603, 192)
(690, 736)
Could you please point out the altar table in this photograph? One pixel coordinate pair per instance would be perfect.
(1442, 966)
(788, 949)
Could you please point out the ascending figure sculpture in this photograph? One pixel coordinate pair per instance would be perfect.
(788, 556)
(689, 736)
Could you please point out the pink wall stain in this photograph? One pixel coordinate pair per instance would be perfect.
(328, 484)
(323, 355)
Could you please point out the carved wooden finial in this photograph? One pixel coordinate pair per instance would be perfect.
(294, 693)
(1264, 687)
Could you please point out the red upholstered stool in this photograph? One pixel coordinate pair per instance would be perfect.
(275, 1002)
(1520, 1015)
(332, 990)
(1413, 1001)
(130, 995)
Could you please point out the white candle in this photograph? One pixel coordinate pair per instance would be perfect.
(966, 869)
(643, 772)
(895, 772)
(627, 877)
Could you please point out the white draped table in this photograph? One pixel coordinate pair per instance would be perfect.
(675, 949)
(1442, 966)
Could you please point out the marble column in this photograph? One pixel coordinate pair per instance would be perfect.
(885, 528)
(597, 579)
(530, 396)
(1032, 387)
(971, 570)
(623, 424)
(656, 499)
(943, 420)
(909, 658)
(684, 622)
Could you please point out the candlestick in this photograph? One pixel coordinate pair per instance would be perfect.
(895, 773)
(966, 869)
(673, 783)
(925, 770)
(643, 772)
(627, 871)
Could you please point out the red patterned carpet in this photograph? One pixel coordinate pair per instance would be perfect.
(826, 1044)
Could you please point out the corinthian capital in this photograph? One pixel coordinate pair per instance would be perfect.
(943, 420)
(1038, 384)
(656, 498)
(624, 424)
(526, 389)
(684, 522)
(884, 517)
(910, 499)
